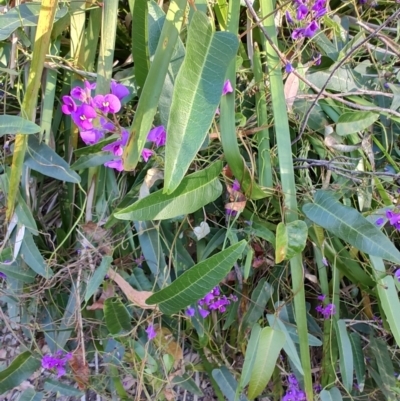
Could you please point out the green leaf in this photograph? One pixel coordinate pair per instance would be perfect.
(23, 366)
(359, 364)
(355, 121)
(227, 383)
(388, 296)
(54, 386)
(30, 395)
(289, 346)
(349, 225)
(291, 239)
(117, 316)
(19, 272)
(11, 125)
(250, 356)
(269, 346)
(195, 191)
(196, 96)
(379, 349)
(42, 158)
(93, 160)
(98, 277)
(346, 354)
(26, 14)
(330, 395)
(32, 257)
(196, 282)
(186, 382)
(259, 298)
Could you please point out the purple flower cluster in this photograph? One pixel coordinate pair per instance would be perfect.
(294, 393)
(325, 310)
(311, 11)
(56, 361)
(3, 275)
(212, 301)
(151, 332)
(91, 115)
(397, 275)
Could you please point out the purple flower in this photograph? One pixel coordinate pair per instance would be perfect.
(57, 361)
(397, 275)
(139, 260)
(289, 18)
(325, 261)
(380, 221)
(189, 311)
(231, 212)
(216, 291)
(302, 12)
(120, 91)
(310, 29)
(203, 313)
(151, 333)
(109, 126)
(318, 5)
(78, 93)
(297, 33)
(92, 136)
(327, 311)
(107, 103)
(227, 88)
(115, 164)
(317, 59)
(83, 116)
(3, 276)
(116, 147)
(321, 297)
(394, 219)
(146, 154)
(157, 135)
(289, 68)
(69, 105)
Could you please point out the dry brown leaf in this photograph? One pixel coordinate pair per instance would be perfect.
(166, 341)
(236, 206)
(80, 369)
(169, 394)
(95, 232)
(108, 292)
(290, 90)
(136, 297)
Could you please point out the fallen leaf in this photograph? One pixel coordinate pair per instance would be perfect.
(166, 341)
(108, 292)
(80, 368)
(136, 297)
(236, 206)
(290, 90)
(94, 231)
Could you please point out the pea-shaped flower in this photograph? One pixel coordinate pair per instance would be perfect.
(107, 104)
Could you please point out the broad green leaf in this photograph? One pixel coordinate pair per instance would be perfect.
(196, 96)
(195, 191)
(384, 361)
(31, 395)
(250, 356)
(289, 346)
(20, 369)
(19, 271)
(26, 14)
(291, 239)
(330, 395)
(187, 383)
(344, 79)
(11, 125)
(117, 316)
(148, 102)
(98, 277)
(54, 386)
(93, 160)
(227, 383)
(259, 298)
(32, 257)
(269, 347)
(197, 282)
(355, 121)
(358, 355)
(346, 354)
(388, 296)
(42, 158)
(349, 225)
